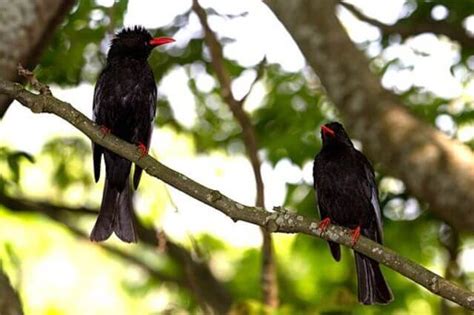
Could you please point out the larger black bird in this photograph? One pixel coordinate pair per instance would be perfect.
(124, 104)
(348, 196)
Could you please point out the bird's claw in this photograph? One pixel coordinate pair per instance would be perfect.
(105, 131)
(323, 225)
(355, 236)
(143, 149)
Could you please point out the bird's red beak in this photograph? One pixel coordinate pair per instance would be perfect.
(327, 131)
(158, 41)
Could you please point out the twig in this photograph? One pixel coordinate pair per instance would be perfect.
(43, 89)
(453, 31)
(283, 222)
(260, 72)
(361, 16)
(269, 272)
(162, 241)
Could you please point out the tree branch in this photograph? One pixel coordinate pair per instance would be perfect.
(240, 115)
(273, 221)
(10, 303)
(260, 72)
(406, 147)
(455, 32)
(361, 16)
(269, 272)
(31, 78)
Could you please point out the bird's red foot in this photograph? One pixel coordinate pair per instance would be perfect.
(143, 149)
(323, 225)
(105, 131)
(355, 235)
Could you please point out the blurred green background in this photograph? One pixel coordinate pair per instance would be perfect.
(48, 197)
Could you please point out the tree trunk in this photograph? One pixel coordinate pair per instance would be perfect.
(25, 28)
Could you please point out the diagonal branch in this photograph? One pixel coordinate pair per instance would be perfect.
(273, 221)
(269, 272)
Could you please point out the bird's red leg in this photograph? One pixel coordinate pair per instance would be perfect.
(143, 149)
(355, 235)
(323, 225)
(105, 131)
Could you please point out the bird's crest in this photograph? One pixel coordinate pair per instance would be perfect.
(137, 29)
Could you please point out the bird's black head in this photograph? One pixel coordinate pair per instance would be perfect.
(333, 133)
(136, 43)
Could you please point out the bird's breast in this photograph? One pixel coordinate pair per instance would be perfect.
(126, 98)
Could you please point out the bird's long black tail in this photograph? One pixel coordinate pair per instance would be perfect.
(372, 287)
(115, 215)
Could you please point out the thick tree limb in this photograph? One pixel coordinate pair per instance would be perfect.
(455, 32)
(9, 300)
(434, 168)
(269, 269)
(211, 294)
(275, 222)
(26, 26)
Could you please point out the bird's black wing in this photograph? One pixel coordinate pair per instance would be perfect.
(143, 133)
(324, 211)
(98, 150)
(372, 194)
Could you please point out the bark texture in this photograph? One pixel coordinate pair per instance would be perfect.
(25, 28)
(434, 168)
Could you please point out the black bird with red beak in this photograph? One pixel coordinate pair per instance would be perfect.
(348, 196)
(124, 105)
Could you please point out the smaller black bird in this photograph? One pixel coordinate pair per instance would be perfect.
(348, 196)
(125, 105)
